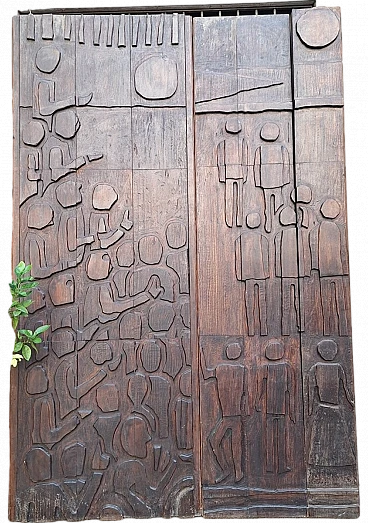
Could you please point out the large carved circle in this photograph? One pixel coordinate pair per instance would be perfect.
(156, 78)
(48, 58)
(318, 27)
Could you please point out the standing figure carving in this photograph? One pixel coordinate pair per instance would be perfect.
(232, 169)
(271, 170)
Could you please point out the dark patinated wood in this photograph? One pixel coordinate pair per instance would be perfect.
(179, 188)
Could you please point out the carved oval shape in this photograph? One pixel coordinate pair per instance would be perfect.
(33, 133)
(156, 78)
(150, 356)
(150, 249)
(176, 235)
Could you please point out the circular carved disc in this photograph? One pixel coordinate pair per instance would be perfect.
(156, 78)
(48, 58)
(318, 27)
(33, 133)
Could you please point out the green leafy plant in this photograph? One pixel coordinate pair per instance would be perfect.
(25, 339)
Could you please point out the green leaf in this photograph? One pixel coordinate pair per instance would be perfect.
(26, 352)
(29, 285)
(21, 308)
(12, 286)
(37, 340)
(26, 332)
(15, 322)
(20, 268)
(43, 328)
(27, 268)
(17, 313)
(27, 303)
(18, 346)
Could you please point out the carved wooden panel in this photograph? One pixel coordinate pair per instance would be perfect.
(180, 193)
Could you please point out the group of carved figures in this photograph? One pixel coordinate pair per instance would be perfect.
(328, 398)
(120, 309)
(307, 245)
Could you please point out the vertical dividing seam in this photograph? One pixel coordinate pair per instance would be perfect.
(192, 252)
(299, 253)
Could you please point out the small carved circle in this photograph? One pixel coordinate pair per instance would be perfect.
(33, 133)
(150, 355)
(270, 132)
(150, 249)
(233, 351)
(327, 349)
(302, 194)
(104, 196)
(274, 350)
(40, 215)
(176, 235)
(67, 123)
(330, 209)
(318, 27)
(287, 216)
(253, 220)
(233, 126)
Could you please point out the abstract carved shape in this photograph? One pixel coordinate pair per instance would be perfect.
(100, 461)
(174, 358)
(98, 265)
(176, 235)
(330, 209)
(135, 436)
(72, 460)
(161, 316)
(107, 397)
(33, 133)
(150, 249)
(61, 289)
(151, 355)
(131, 326)
(100, 353)
(68, 194)
(40, 215)
(37, 380)
(38, 463)
(125, 254)
(63, 341)
(104, 196)
(67, 123)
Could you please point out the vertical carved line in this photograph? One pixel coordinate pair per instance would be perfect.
(67, 27)
(148, 30)
(96, 29)
(122, 32)
(110, 30)
(81, 30)
(31, 27)
(135, 30)
(160, 31)
(175, 29)
(47, 27)
(193, 273)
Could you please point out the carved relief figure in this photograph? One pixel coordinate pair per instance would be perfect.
(329, 257)
(289, 270)
(328, 397)
(276, 399)
(234, 405)
(55, 246)
(232, 168)
(45, 104)
(271, 170)
(252, 267)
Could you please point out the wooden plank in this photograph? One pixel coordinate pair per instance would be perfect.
(321, 202)
(249, 311)
(317, 54)
(195, 8)
(13, 400)
(193, 249)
